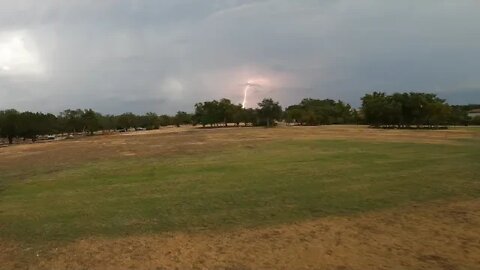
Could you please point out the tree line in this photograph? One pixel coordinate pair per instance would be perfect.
(29, 125)
(216, 113)
(398, 110)
(407, 110)
(321, 112)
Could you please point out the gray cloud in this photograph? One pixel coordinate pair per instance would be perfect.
(163, 56)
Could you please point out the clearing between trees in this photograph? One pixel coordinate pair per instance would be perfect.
(330, 197)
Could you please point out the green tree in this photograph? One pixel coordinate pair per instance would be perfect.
(210, 112)
(269, 111)
(165, 120)
(90, 120)
(405, 109)
(149, 121)
(225, 111)
(71, 120)
(374, 107)
(319, 112)
(182, 118)
(107, 122)
(238, 114)
(127, 120)
(250, 116)
(9, 124)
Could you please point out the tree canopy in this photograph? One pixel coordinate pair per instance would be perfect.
(269, 111)
(320, 112)
(397, 110)
(221, 112)
(404, 110)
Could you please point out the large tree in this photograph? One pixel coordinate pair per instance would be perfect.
(319, 112)
(9, 124)
(182, 118)
(71, 120)
(127, 120)
(90, 121)
(405, 109)
(165, 120)
(269, 111)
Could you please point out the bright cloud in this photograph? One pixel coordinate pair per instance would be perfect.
(18, 54)
(163, 56)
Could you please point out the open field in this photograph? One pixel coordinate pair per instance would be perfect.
(335, 197)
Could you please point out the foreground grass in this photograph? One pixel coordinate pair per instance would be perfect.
(274, 182)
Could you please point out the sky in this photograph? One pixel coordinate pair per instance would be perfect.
(163, 56)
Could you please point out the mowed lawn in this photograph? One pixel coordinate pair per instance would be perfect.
(274, 181)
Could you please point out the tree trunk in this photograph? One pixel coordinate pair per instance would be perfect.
(268, 122)
(10, 139)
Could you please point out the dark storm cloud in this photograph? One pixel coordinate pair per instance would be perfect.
(163, 56)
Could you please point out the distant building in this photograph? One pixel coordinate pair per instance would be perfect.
(474, 113)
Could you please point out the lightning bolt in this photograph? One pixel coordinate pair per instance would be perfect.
(245, 95)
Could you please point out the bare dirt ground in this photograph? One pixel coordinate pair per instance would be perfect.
(439, 235)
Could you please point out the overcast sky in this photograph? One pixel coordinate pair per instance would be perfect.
(163, 56)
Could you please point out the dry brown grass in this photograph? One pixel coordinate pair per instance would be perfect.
(186, 140)
(432, 236)
(439, 235)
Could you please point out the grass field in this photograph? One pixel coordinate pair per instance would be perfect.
(200, 182)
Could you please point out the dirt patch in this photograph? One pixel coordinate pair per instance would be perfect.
(430, 236)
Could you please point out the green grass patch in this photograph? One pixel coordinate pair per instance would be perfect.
(275, 182)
